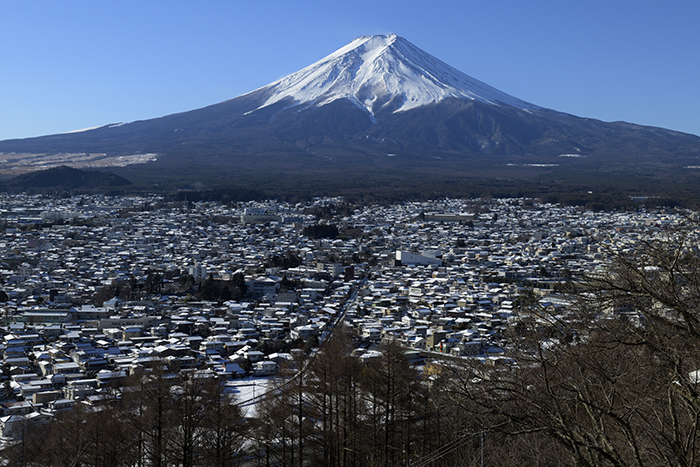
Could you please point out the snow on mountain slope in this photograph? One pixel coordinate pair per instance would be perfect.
(372, 70)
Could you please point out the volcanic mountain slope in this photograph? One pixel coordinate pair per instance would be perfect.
(379, 103)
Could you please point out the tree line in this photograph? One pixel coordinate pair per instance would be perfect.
(612, 380)
(155, 419)
(334, 411)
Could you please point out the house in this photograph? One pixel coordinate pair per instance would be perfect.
(332, 269)
(229, 370)
(263, 287)
(66, 368)
(304, 332)
(12, 425)
(434, 339)
(265, 368)
(58, 405)
(254, 355)
(17, 408)
(372, 333)
(131, 332)
(43, 397)
(281, 358)
(408, 258)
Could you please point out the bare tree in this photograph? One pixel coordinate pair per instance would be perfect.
(611, 379)
(110, 442)
(282, 428)
(188, 417)
(335, 398)
(224, 432)
(25, 446)
(391, 387)
(67, 440)
(148, 408)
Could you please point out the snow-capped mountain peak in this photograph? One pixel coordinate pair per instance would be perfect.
(373, 71)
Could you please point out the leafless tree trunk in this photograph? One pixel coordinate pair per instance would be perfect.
(224, 427)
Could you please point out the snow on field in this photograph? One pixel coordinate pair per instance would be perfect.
(249, 391)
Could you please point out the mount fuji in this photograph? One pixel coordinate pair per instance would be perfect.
(384, 72)
(377, 109)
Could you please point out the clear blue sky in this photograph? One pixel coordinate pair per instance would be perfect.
(66, 65)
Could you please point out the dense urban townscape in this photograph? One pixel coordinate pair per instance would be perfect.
(100, 294)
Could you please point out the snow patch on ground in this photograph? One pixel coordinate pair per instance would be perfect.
(83, 129)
